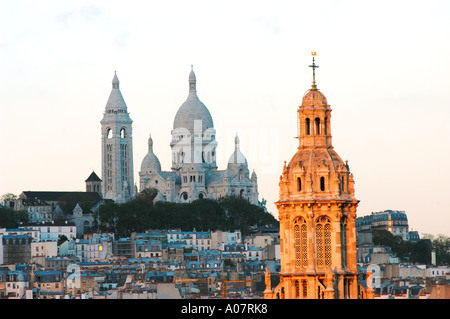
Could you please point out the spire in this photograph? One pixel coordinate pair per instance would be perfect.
(115, 81)
(236, 142)
(314, 66)
(150, 144)
(192, 81)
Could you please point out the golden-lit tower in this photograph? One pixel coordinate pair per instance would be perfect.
(317, 211)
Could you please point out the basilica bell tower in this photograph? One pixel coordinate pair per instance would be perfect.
(117, 148)
(317, 211)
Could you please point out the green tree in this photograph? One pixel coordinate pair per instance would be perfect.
(10, 218)
(108, 214)
(421, 252)
(441, 245)
(8, 197)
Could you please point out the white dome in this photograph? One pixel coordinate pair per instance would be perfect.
(193, 110)
(150, 163)
(237, 158)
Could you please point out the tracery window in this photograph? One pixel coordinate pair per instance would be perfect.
(323, 242)
(301, 243)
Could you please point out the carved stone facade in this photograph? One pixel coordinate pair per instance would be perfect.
(317, 211)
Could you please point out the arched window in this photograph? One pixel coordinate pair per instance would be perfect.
(322, 183)
(305, 288)
(108, 133)
(317, 120)
(343, 241)
(308, 127)
(301, 243)
(323, 242)
(299, 184)
(122, 133)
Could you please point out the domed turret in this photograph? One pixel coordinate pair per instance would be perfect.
(237, 158)
(150, 163)
(314, 98)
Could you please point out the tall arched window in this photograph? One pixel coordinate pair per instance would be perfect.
(300, 243)
(305, 288)
(322, 183)
(299, 184)
(317, 120)
(108, 133)
(323, 242)
(344, 241)
(308, 127)
(122, 133)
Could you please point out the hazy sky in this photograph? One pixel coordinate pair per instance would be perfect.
(384, 67)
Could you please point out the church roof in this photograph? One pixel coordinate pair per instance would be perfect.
(314, 98)
(93, 178)
(116, 100)
(216, 178)
(51, 196)
(193, 110)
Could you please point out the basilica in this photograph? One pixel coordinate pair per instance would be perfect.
(194, 173)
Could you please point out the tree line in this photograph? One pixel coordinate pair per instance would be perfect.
(415, 252)
(141, 213)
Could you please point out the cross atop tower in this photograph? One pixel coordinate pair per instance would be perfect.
(314, 66)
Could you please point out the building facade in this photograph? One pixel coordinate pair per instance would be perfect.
(194, 173)
(396, 222)
(317, 211)
(117, 148)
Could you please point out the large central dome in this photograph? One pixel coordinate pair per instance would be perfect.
(193, 113)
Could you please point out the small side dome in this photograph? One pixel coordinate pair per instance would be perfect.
(150, 163)
(314, 98)
(237, 158)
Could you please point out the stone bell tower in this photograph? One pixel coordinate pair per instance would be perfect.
(317, 211)
(117, 148)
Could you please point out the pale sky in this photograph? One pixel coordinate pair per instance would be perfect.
(384, 67)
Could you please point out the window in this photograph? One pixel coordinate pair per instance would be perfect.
(299, 184)
(323, 242)
(317, 120)
(322, 183)
(122, 133)
(300, 243)
(308, 127)
(305, 288)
